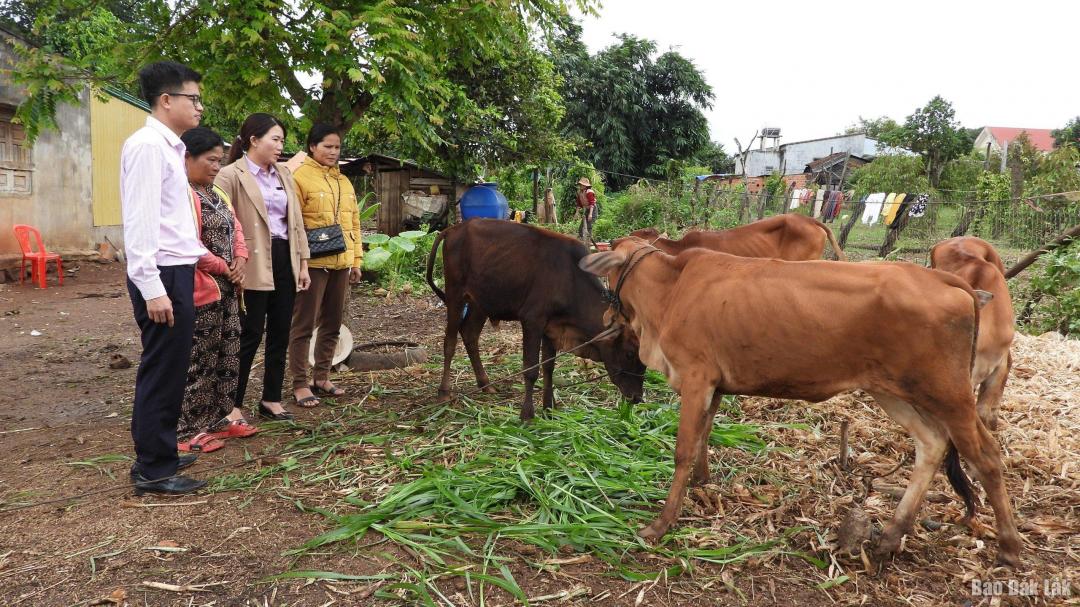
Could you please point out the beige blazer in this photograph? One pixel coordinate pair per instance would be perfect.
(250, 208)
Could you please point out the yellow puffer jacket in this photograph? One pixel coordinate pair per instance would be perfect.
(320, 189)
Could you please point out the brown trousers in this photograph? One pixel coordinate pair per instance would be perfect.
(322, 305)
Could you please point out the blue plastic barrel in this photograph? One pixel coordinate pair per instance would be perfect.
(484, 200)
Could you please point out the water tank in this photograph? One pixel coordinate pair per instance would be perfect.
(484, 200)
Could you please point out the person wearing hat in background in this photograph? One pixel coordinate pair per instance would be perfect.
(586, 201)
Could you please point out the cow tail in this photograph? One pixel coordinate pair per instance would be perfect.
(431, 266)
(959, 480)
(953, 470)
(840, 256)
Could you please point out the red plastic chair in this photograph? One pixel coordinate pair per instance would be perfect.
(38, 259)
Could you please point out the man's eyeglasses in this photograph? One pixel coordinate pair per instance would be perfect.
(195, 99)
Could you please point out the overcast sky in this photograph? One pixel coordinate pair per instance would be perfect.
(812, 68)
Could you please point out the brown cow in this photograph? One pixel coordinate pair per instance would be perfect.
(501, 270)
(789, 236)
(976, 261)
(719, 324)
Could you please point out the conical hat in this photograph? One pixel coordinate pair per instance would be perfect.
(341, 350)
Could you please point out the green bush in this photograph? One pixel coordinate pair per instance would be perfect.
(1055, 297)
(399, 260)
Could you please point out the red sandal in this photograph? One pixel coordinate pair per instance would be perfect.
(236, 428)
(203, 442)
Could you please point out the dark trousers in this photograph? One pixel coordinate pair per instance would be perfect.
(159, 383)
(270, 312)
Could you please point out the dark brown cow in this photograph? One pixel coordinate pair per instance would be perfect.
(719, 324)
(501, 270)
(976, 261)
(789, 236)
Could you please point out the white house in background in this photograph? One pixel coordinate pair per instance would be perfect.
(998, 136)
(792, 158)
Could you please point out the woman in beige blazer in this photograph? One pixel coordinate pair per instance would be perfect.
(263, 195)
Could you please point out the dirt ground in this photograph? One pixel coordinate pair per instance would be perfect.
(63, 405)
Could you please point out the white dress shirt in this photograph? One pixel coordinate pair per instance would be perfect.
(159, 219)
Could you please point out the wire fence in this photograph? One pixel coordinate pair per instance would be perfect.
(1013, 226)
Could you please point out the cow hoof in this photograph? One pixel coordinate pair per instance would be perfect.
(1009, 560)
(700, 482)
(488, 389)
(443, 394)
(652, 533)
(883, 554)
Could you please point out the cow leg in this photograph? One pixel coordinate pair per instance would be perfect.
(471, 328)
(547, 351)
(531, 337)
(975, 444)
(695, 421)
(454, 307)
(931, 444)
(701, 474)
(990, 392)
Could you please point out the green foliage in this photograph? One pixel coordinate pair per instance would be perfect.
(933, 133)
(1057, 292)
(883, 129)
(890, 173)
(1069, 134)
(1057, 172)
(713, 156)
(960, 177)
(399, 260)
(584, 477)
(635, 109)
(409, 71)
(565, 190)
(1024, 159)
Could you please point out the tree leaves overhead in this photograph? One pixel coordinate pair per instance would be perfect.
(406, 68)
(636, 110)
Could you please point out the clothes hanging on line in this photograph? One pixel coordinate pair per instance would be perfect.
(891, 212)
(872, 212)
(796, 197)
(919, 207)
(819, 201)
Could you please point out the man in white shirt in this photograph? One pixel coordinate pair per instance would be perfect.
(162, 246)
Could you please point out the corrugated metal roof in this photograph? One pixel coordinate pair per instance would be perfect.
(125, 97)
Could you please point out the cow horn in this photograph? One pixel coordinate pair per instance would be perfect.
(983, 297)
(602, 263)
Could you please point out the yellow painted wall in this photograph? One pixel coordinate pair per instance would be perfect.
(111, 122)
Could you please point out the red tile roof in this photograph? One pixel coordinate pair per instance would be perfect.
(1040, 138)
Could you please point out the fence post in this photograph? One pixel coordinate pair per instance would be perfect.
(856, 214)
(893, 234)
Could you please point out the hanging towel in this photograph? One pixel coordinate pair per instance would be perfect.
(892, 207)
(796, 198)
(918, 208)
(819, 200)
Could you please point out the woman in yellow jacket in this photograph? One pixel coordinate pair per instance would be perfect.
(326, 198)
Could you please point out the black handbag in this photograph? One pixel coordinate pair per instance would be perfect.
(327, 240)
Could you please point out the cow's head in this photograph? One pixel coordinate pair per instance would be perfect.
(619, 348)
(619, 352)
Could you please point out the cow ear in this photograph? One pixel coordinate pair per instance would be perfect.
(983, 297)
(602, 263)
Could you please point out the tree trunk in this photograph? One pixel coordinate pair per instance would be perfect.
(856, 214)
(970, 216)
(893, 235)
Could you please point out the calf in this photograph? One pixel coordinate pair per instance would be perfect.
(501, 270)
(976, 261)
(788, 236)
(718, 324)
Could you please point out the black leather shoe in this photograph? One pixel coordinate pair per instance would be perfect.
(177, 485)
(185, 461)
(284, 416)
